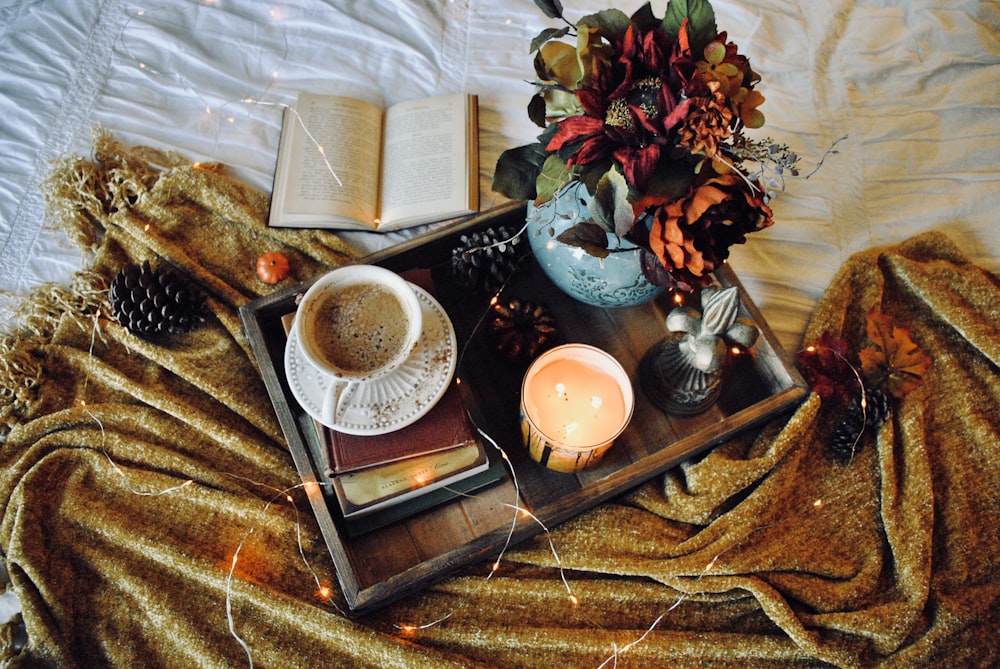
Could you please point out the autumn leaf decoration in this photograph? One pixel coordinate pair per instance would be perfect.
(889, 367)
(892, 360)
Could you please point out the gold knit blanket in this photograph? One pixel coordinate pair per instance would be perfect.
(150, 514)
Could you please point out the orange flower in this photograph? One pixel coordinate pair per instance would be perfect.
(691, 235)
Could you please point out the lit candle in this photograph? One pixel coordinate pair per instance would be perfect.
(575, 401)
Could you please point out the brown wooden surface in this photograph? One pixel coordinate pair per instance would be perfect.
(401, 558)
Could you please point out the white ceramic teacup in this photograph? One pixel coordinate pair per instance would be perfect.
(357, 323)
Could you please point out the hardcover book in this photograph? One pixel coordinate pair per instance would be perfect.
(364, 492)
(445, 427)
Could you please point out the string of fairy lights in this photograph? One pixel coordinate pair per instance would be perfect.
(324, 591)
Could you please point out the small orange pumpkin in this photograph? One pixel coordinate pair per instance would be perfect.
(272, 267)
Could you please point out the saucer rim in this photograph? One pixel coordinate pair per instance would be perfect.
(433, 306)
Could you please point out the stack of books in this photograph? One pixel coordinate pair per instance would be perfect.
(381, 479)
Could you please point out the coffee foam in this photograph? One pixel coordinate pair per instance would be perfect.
(360, 328)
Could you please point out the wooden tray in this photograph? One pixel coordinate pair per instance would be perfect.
(401, 558)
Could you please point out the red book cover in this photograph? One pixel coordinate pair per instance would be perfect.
(444, 427)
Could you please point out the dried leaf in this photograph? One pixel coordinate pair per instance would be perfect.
(551, 8)
(892, 357)
(610, 207)
(588, 236)
(553, 176)
(546, 35)
(825, 365)
(536, 110)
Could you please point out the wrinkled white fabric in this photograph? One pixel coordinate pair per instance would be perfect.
(911, 85)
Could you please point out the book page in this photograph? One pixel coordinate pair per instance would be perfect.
(349, 131)
(425, 171)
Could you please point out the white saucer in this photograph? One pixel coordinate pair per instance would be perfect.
(394, 401)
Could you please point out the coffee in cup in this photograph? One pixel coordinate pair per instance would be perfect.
(357, 323)
(360, 327)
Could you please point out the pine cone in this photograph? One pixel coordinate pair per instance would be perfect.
(877, 408)
(847, 435)
(486, 259)
(522, 330)
(155, 301)
(846, 439)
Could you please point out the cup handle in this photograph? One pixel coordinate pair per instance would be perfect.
(331, 400)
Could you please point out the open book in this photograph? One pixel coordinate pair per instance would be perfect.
(344, 163)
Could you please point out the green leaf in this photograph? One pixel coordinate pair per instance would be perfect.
(592, 173)
(517, 169)
(559, 104)
(551, 8)
(553, 176)
(546, 35)
(701, 22)
(610, 207)
(610, 23)
(590, 237)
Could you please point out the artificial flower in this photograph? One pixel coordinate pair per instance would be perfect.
(649, 113)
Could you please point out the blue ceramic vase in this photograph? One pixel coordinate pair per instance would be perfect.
(614, 281)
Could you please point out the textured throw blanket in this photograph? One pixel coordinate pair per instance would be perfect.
(150, 514)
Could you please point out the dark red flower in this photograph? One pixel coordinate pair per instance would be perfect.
(632, 109)
(827, 369)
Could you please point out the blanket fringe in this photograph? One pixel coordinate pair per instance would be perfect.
(81, 194)
(34, 323)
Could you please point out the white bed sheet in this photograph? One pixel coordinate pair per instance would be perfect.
(912, 85)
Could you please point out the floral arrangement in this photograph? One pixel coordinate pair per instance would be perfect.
(649, 113)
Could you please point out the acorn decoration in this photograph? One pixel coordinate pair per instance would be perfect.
(521, 330)
(487, 258)
(150, 301)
